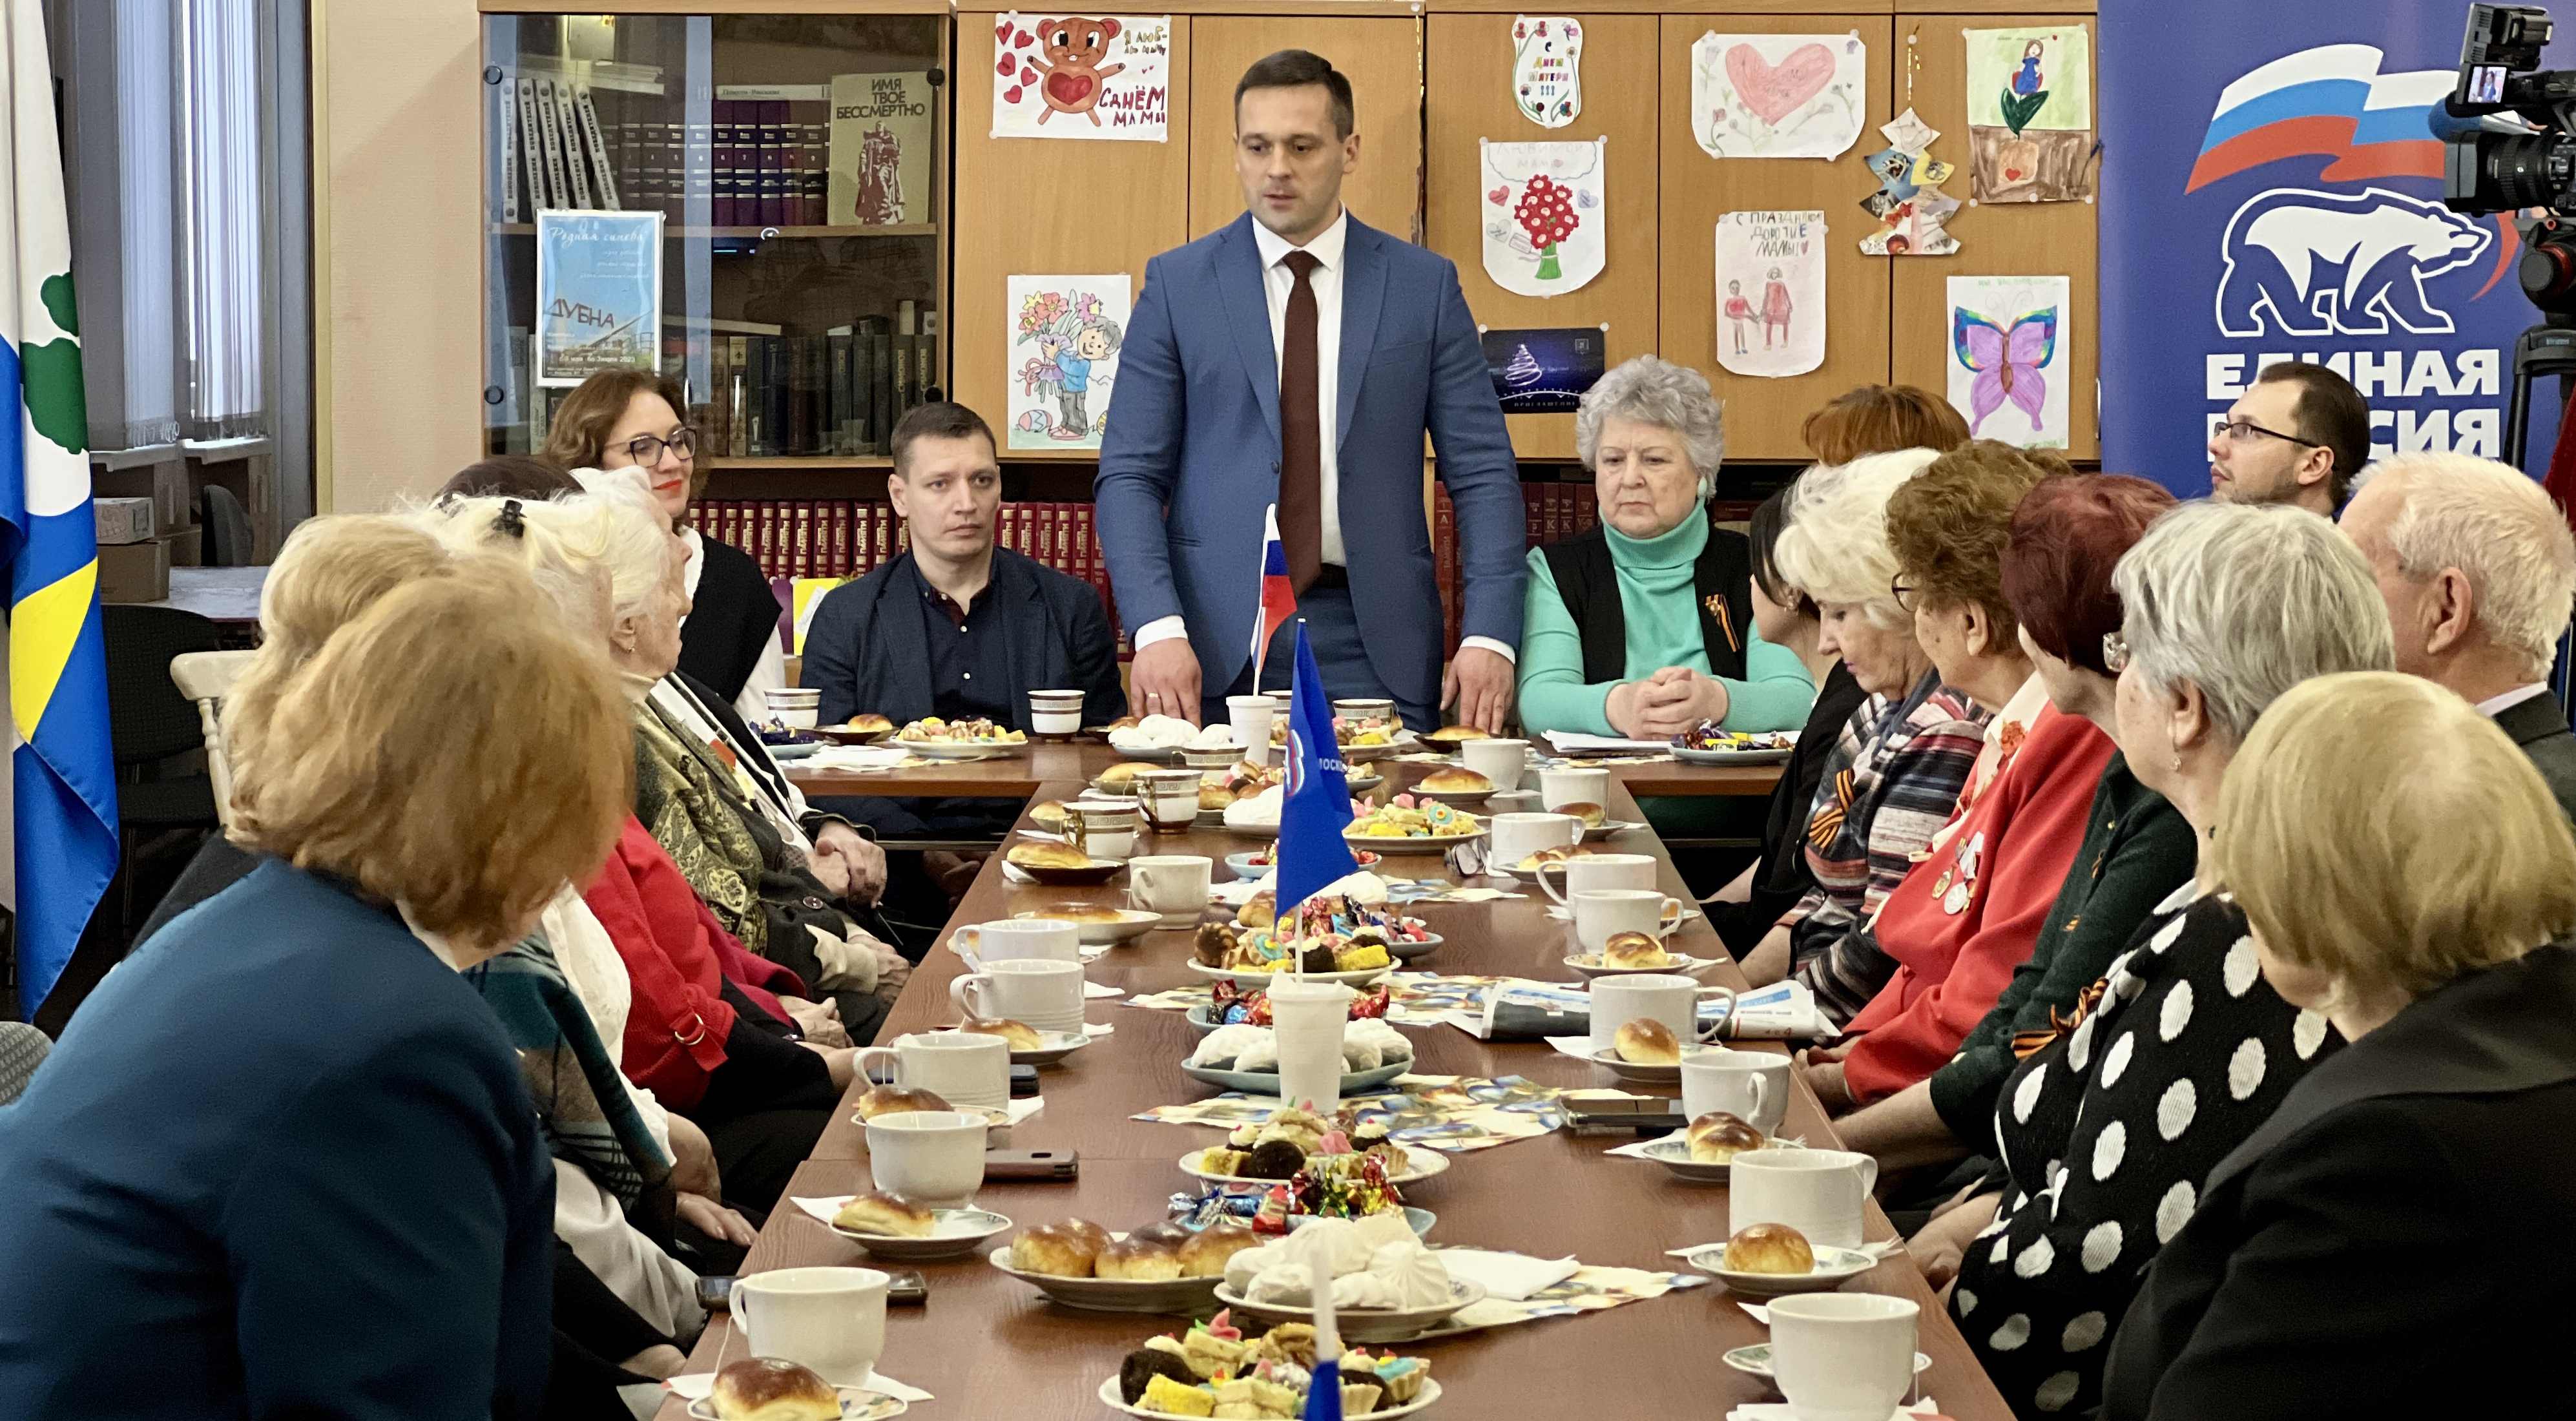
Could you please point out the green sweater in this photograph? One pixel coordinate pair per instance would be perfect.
(1661, 608)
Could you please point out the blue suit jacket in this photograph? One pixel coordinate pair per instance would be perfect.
(281, 1164)
(866, 650)
(1192, 456)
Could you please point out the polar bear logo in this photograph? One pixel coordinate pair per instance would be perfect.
(2325, 263)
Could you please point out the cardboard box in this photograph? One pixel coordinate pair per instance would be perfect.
(134, 572)
(166, 484)
(187, 545)
(123, 520)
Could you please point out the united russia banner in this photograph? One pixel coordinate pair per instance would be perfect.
(63, 767)
(2272, 191)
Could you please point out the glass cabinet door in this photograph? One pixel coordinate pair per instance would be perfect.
(753, 204)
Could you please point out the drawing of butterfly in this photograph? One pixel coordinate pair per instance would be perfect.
(2007, 360)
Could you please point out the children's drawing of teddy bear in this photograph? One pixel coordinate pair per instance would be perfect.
(1074, 79)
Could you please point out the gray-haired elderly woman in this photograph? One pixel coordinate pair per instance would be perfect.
(1643, 625)
(2116, 1120)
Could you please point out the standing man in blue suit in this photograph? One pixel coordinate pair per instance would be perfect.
(1299, 357)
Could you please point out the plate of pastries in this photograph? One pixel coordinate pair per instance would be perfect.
(1410, 825)
(1245, 1057)
(1235, 1004)
(1257, 863)
(1326, 940)
(1448, 738)
(1061, 865)
(1704, 1152)
(1774, 1260)
(775, 1389)
(1632, 952)
(1098, 924)
(1164, 1267)
(1242, 1367)
(1029, 1046)
(1713, 744)
(891, 1226)
(1361, 738)
(864, 729)
(1452, 785)
(975, 739)
(1294, 1142)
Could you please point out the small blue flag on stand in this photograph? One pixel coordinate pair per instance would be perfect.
(1315, 803)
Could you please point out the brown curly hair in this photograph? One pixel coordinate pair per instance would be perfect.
(1948, 526)
(1881, 419)
(578, 438)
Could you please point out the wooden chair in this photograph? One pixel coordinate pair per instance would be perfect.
(206, 677)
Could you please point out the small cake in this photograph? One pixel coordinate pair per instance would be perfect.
(883, 1213)
(1769, 1248)
(1141, 1366)
(890, 1100)
(773, 1389)
(1718, 1137)
(1021, 1035)
(1634, 949)
(1459, 732)
(1317, 957)
(1455, 782)
(1261, 911)
(1214, 943)
(1273, 1159)
(1205, 1252)
(1054, 1250)
(1220, 1160)
(1359, 957)
(1290, 1342)
(1592, 815)
(1175, 1399)
(1137, 1259)
(1648, 1042)
(1030, 853)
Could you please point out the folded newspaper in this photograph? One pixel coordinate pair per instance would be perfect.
(1519, 1010)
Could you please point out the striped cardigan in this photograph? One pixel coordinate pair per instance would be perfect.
(1905, 763)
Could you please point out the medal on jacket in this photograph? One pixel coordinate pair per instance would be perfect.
(1957, 885)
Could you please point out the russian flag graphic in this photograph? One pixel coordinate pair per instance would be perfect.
(2330, 102)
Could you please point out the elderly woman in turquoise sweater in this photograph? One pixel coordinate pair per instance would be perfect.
(1642, 626)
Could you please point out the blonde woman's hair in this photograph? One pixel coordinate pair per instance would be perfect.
(1835, 547)
(453, 755)
(330, 570)
(570, 544)
(2377, 829)
(2493, 523)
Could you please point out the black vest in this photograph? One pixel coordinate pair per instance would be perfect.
(1721, 582)
(734, 619)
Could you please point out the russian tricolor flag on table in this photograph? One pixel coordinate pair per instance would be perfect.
(1278, 599)
(2332, 102)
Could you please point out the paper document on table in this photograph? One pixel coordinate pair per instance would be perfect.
(1569, 742)
(1449, 1113)
(1586, 1289)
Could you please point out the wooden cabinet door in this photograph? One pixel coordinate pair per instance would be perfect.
(1383, 59)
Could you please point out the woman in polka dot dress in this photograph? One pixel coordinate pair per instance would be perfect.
(2182, 1050)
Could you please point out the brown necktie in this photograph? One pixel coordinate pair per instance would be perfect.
(1301, 436)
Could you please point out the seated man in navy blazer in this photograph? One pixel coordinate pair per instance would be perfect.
(1298, 357)
(957, 626)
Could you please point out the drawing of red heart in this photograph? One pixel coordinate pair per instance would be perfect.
(1011, 95)
(1006, 66)
(1069, 89)
(1499, 196)
(1028, 75)
(1002, 31)
(1021, 40)
(1774, 91)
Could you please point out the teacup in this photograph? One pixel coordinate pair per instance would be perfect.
(1573, 785)
(935, 1158)
(1514, 837)
(1043, 993)
(794, 707)
(1601, 914)
(1674, 1001)
(1752, 1086)
(1019, 937)
(1364, 708)
(1174, 885)
(1842, 1356)
(1103, 829)
(1055, 712)
(1592, 872)
(1170, 799)
(1820, 1193)
(960, 1067)
(1502, 761)
(829, 1320)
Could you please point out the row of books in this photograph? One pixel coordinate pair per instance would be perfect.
(836, 393)
(552, 150)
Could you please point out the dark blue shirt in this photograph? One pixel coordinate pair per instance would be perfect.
(970, 670)
(281, 1164)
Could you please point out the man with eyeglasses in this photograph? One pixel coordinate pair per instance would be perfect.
(2299, 435)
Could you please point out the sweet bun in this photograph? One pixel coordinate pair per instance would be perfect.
(1085, 1230)
(870, 723)
(1162, 1231)
(1049, 815)
(1120, 776)
(1648, 1042)
(883, 1213)
(1030, 853)
(1455, 782)
(773, 1389)
(1592, 815)
(1205, 1252)
(1214, 796)
(1459, 732)
(1769, 1248)
(888, 1100)
(1021, 1035)
(1137, 1259)
(1633, 949)
(1259, 911)
(1055, 1250)
(1718, 1137)
(1213, 942)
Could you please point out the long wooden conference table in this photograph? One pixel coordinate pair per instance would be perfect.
(991, 1348)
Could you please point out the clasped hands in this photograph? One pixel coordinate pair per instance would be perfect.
(1665, 704)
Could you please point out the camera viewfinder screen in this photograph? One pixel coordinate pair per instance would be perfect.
(2486, 84)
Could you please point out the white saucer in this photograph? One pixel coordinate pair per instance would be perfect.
(1756, 1359)
(1834, 1267)
(954, 1233)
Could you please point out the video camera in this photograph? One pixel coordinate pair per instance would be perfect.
(2509, 144)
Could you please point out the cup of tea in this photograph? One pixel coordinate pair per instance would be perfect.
(1055, 712)
(1843, 1356)
(1573, 785)
(1752, 1086)
(1365, 708)
(1104, 829)
(794, 707)
(1513, 837)
(1820, 1193)
(1601, 914)
(828, 1320)
(1019, 937)
(1170, 799)
(960, 1067)
(1598, 871)
(935, 1158)
(1670, 999)
(1174, 885)
(1502, 761)
(1044, 993)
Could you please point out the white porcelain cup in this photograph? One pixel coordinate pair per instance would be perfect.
(960, 1067)
(1250, 717)
(1820, 1193)
(1513, 837)
(1502, 761)
(1174, 885)
(793, 707)
(1103, 830)
(1364, 708)
(1055, 712)
(1309, 1016)
(1672, 1000)
(829, 1320)
(1513, 801)
(1044, 993)
(1843, 1356)
(1573, 785)
(1019, 937)
(1601, 914)
(1752, 1086)
(1170, 799)
(1592, 872)
(935, 1158)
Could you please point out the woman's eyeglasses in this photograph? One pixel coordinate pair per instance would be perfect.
(1904, 593)
(646, 449)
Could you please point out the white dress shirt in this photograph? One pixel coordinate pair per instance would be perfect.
(2494, 706)
(767, 674)
(1277, 283)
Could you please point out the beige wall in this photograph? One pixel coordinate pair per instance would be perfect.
(396, 135)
